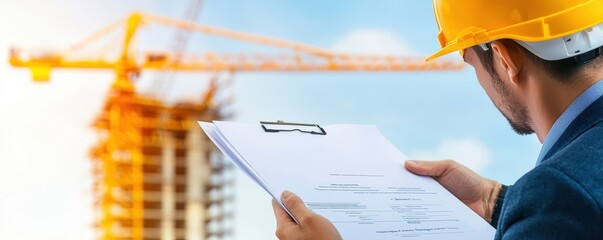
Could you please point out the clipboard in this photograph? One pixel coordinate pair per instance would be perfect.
(345, 176)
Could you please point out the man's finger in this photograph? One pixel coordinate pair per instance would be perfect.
(282, 217)
(296, 206)
(429, 168)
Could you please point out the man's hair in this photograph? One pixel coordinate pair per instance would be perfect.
(564, 70)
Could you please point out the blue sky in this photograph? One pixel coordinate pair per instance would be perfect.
(432, 115)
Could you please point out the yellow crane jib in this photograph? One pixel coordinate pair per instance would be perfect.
(298, 58)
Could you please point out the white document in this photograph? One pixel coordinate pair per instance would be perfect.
(354, 177)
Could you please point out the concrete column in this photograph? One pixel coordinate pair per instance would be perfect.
(198, 169)
(168, 162)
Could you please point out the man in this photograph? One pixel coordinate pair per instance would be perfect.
(539, 62)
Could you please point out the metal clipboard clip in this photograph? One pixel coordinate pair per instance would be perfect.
(280, 126)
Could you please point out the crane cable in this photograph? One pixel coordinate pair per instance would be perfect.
(164, 80)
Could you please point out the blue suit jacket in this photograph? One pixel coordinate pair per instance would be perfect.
(562, 198)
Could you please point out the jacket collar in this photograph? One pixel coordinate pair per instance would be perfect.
(590, 117)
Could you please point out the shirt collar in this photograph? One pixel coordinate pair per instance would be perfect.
(591, 94)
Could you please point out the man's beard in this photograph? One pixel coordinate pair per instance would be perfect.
(520, 120)
(518, 117)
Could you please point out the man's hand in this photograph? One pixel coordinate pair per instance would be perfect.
(477, 192)
(311, 225)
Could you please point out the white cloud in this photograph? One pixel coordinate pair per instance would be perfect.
(467, 151)
(372, 41)
(44, 128)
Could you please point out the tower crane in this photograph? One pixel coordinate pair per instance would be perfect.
(132, 148)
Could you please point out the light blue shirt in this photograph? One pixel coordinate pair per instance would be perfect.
(591, 94)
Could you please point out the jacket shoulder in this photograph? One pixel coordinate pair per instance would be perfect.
(547, 203)
(582, 162)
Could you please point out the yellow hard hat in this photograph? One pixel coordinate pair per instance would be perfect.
(551, 29)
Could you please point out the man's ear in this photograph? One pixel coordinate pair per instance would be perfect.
(510, 60)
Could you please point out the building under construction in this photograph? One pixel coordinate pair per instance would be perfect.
(156, 174)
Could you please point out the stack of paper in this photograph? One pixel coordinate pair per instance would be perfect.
(353, 176)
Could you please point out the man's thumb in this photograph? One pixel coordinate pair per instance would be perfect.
(296, 206)
(427, 168)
